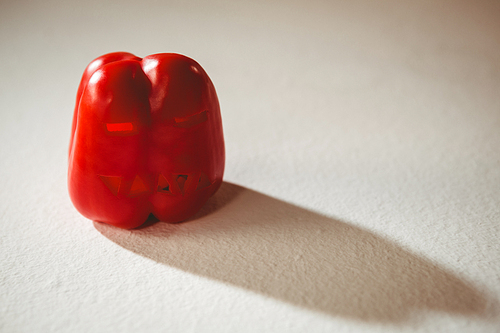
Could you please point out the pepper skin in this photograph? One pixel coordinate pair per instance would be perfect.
(146, 139)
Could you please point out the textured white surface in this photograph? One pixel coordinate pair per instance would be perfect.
(362, 182)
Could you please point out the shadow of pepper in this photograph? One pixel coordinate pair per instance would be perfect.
(253, 241)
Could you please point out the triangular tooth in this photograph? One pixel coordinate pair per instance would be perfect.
(181, 181)
(112, 182)
(138, 187)
(203, 182)
(163, 184)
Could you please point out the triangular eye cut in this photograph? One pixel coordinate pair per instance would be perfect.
(112, 182)
(138, 187)
(203, 182)
(163, 185)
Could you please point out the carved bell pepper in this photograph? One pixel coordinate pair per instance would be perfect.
(146, 139)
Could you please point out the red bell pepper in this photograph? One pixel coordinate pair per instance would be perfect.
(146, 139)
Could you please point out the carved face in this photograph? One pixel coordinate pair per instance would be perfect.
(146, 139)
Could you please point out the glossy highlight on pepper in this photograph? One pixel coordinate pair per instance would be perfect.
(146, 139)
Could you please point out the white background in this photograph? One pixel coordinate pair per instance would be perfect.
(362, 184)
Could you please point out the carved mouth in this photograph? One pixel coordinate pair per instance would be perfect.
(166, 183)
(179, 184)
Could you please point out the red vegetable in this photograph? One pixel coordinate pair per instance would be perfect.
(146, 139)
